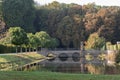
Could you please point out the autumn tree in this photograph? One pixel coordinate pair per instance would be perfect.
(108, 28)
(95, 42)
(92, 22)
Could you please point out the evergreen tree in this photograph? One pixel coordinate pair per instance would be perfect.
(19, 13)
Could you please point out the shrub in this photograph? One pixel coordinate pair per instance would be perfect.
(95, 68)
(6, 49)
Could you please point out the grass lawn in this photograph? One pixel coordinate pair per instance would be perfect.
(10, 61)
(53, 76)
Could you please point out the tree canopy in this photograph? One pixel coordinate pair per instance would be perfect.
(95, 42)
(68, 23)
(73, 23)
(46, 40)
(34, 42)
(17, 36)
(19, 13)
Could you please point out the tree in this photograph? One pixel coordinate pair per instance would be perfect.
(52, 43)
(34, 42)
(54, 5)
(17, 36)
(71, 31)
(0, 8)
(19, 13)
(40, 19)
(110, 25)
(64, 31)
(92, 22)
(95, 42)
(46, 40)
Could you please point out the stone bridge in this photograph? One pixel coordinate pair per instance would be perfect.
(73, 60)
(71, 56)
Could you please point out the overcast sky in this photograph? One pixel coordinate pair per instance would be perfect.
(81, 2)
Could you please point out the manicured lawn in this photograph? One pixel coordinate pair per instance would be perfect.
(10, 61)
(53, 76)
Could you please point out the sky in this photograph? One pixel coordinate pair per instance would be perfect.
(82, 2)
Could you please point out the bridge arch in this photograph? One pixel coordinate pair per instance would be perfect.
(63, 56)
(76, 56)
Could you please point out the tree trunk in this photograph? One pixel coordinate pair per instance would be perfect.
(36, 49)
(26, 49)
(16, 49)
(32, 49)
(20, 49)
(29, 49)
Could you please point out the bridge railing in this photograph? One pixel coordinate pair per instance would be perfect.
(59, 49)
